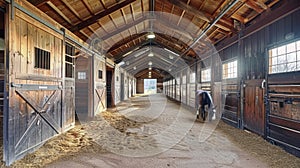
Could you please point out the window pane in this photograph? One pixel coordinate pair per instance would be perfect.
(281, 68)
(281, 59)
(292, 66)
(274, 52)
(291, 47)
(273, 69)
(281, 50)
(291, 57)
(230, 70)
(298, 56)
(274, 60)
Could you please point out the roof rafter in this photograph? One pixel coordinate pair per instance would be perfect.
(38, 2)
(98, 16)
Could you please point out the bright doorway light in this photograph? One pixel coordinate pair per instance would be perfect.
(150, 86)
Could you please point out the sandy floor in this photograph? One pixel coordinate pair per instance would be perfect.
(155, 132)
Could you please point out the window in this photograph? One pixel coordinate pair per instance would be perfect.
(81, 75)
(206, 75)
(42, 59)
(230, 70)
(285, 58)
(70, 65)
(192, 77)
(99, 74)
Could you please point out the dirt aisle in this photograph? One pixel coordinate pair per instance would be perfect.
(151, 131)
(161, 134)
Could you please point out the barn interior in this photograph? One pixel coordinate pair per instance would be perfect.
(245, 53)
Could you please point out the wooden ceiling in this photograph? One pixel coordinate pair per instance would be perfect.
(122, 25)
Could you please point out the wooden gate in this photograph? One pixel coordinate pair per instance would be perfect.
(34, 116)
(254, 111)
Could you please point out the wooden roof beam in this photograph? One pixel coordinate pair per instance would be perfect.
(189, 8)
(127, 40)
(124, 28)
(66, 3)
(238, 18)
(38, 3)
(59, 12)
(254, 6)
(262, 5)
(100, 15)
(86, 4)
(204, 16)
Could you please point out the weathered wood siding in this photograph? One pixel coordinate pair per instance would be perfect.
(35, 105)
(99, 100)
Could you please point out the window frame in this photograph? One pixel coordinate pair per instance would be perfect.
(287, 62)
(228, 62)
(205, 69)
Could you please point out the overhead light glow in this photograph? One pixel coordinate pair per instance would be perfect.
(150, 54)
(150, 68)
(171, 56)
(151, 35)
(150, 63)
(121, 63)
(134, 67)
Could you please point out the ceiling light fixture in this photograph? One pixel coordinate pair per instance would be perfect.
(150, 63)
(121, 63)
(151, 35)
(150, 54)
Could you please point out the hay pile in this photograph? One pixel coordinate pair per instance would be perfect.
(65, 145)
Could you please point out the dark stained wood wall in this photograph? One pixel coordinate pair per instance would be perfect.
(269, 30)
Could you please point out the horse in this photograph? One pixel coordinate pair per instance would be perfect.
(205, 105)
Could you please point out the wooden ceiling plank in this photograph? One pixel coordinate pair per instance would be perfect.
(98, 16)
(38, 3)
(86, 4)
(59, 12)
(189, 8)
(71, 9)
(127, 40)
(175, 28)
(206, 17)
(124, 17)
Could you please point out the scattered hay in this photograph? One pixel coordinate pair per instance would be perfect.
(273, 155)
(60, 147)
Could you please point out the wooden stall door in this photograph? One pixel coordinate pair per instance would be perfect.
(254, 109)
(34, 117)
